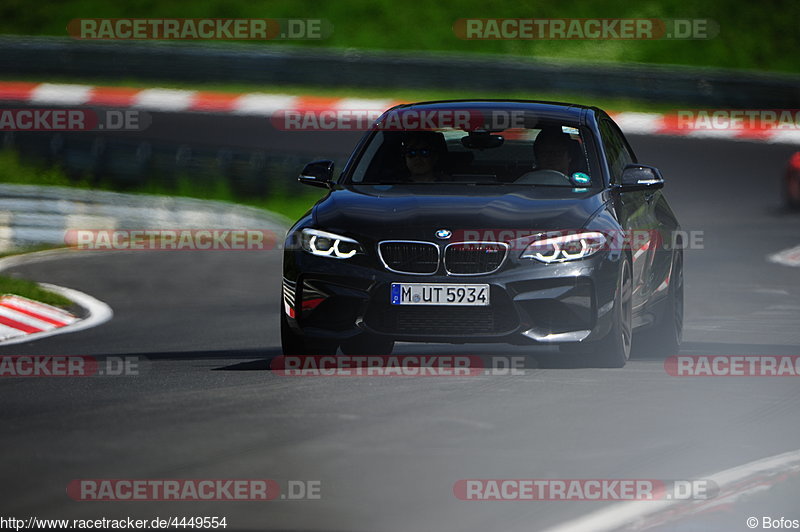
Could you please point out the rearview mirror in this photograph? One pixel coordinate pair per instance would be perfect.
(482, 141)
(317, 174)
(641, 177)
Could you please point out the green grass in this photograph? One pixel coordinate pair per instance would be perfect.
(753, 35)
(13, 170)
(31, 290)
(30, 249)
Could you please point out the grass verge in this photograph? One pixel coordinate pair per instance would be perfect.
(30, 249)
(752, 35)
(15, 171)
(31, 290)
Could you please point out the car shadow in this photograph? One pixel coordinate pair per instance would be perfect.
(260, 359)
(250, 359)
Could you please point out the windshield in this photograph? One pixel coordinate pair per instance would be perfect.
(552, 154)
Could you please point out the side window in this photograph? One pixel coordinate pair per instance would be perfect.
(616, 149)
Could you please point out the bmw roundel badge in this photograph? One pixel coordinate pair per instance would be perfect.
(444, 234)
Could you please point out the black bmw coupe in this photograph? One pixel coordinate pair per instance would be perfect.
(486, 221)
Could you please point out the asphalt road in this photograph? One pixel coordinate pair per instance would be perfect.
(388, 450)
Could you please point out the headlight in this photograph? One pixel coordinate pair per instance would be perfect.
(327, 244)
(563, 248)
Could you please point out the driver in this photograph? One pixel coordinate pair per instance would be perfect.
(551, 149)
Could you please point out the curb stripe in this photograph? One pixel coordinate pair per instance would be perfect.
(164, 99)
(38, 308)
(39, 317)
(30, 321)
(9, 332)
(8, 322)
(316, 103)
(14, 90)
(214, 102)
(20, 317)
(113, 97)
(265, 104)
(60, 94)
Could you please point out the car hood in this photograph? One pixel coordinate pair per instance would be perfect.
(416, 211)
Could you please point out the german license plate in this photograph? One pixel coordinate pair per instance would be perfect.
(440, 294)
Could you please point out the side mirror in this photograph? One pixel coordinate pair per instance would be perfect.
(640, 177)
(317, 174)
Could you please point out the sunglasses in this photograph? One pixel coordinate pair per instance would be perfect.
(422, 152)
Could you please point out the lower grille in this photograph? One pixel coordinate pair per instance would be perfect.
(444, 321)
(420, 258)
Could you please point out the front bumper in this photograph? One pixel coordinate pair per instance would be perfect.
(531, 302)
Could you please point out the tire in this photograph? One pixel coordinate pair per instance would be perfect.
(667, 335)
(366, 344)
(294, 344)
(614, 350)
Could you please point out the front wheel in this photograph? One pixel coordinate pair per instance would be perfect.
(614, 350)
(668, 332)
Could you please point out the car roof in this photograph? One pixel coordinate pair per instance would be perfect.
(552, 110)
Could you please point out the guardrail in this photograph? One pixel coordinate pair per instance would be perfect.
(138, 160)
(45, 57)
(32, 214)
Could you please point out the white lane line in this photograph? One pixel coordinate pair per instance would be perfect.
(787, 257)
(637, 512)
